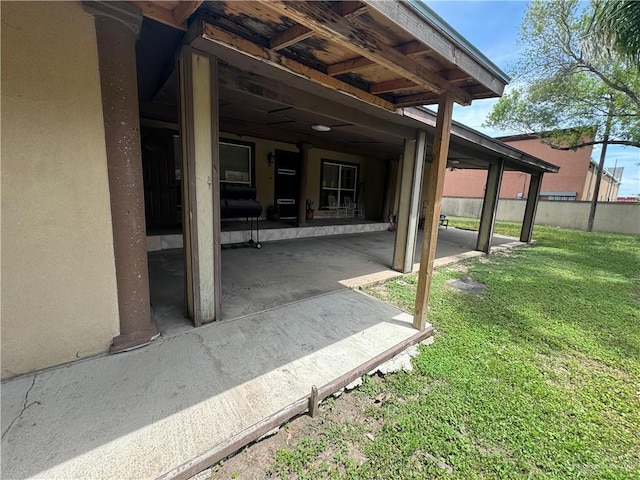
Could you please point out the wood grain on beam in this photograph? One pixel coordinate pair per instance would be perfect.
(455, 75)
(410, 49)
(361, 40)
(392, 86)
(417, 99)
(433, 198)
(184, 10)
(298, 33)
(230, 40)
(156, 11)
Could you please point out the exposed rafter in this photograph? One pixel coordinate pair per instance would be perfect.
(184, 10)
(392, 86)
(298, 32)
(363, 41)
(161, 12)
(410, 49)
(213, 33)
(416, 100)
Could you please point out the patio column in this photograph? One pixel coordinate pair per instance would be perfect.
(198, 72)
(410, 185)
(434, 202)
(530, 209)
(117, 27)
(302, 196)
(489, 206)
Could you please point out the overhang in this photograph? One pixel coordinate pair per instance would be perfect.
(389, 54)
(351, 65)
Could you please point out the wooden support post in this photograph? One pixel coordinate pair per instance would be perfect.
(434, 202)
(314, 402)
(408, 211)
(200, 183)
(489, 206)
(304, 173)
(530, 209)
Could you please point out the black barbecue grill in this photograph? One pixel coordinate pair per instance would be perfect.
(239, 201)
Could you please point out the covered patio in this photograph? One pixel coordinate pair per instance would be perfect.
(288, 271)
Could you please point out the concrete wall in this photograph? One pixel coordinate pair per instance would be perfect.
(371, 172)
(59, 298)
(610, 217)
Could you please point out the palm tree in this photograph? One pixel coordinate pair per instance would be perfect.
(617, 25)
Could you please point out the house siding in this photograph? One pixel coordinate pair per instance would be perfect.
(59, 299)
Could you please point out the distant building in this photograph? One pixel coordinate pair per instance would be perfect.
(575, 181)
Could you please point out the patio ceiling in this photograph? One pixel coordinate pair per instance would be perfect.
(283, 70)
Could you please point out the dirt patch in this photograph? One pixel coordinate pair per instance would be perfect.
(467, 285)
(256, 460)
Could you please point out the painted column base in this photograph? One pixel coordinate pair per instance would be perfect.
(131, 341)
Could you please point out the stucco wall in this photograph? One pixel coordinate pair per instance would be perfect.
(372, 172)
(610, 217)
(59, 298)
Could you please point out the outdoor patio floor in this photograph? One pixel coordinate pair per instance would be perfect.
(291, 270)
(146, 412)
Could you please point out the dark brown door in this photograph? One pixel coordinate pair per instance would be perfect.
(162, 196)
(287, 183)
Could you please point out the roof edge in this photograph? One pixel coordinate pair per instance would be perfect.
(428, 117)
(438, 22)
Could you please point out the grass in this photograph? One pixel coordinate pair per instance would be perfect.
(538, 377)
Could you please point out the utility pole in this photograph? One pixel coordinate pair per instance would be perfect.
(603, 154)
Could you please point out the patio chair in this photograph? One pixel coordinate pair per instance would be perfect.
(333, 205)
(349, 208)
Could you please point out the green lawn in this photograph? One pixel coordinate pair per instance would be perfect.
(538, 377)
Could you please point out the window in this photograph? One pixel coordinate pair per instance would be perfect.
(236, 162)
(338, 182)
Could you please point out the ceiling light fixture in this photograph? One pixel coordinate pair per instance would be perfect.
(454, 162)
(321, 128)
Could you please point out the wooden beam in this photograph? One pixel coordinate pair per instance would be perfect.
(298, 33)
(392, 85)
(232, 41)
(361, 40)
(455, 75)
(184, 10)
(416, 100)
(156, 11)
(410, 49)
(347, 66)
(434, 202)
(292, 35)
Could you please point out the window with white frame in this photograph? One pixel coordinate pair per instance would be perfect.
(236, 163)
(338, 183)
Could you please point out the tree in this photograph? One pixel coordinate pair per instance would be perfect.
(617, 24)
(571, 89)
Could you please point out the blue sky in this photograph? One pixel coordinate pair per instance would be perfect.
(493, 27)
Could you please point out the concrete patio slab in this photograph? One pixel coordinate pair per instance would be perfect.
(291, 270)
(143, 413)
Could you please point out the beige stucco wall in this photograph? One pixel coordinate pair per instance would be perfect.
(610, 217)
(608, 188)
(371, 172)
(58, 276)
